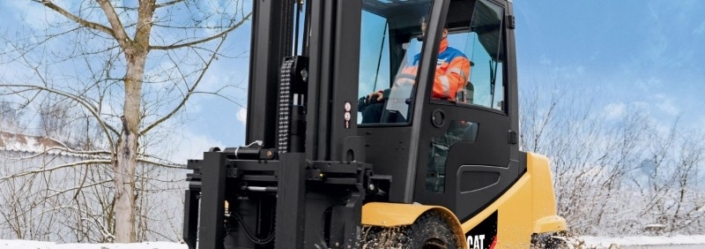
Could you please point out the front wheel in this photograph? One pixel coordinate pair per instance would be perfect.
(550, 241)
(429, 231)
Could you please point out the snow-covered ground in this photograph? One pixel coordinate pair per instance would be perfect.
(646, 241)
(25, 244)
(678, 241)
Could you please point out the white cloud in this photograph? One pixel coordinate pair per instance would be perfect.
(177, 142)
(700, 29)
(187, 145)
(36, 15)
(648, 84)
(700, 123)
(242, 115)
(163, 75)
(615, 110)
(641, 105)
(544, 60)
(666, 104)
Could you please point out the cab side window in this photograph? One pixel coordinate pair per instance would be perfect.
(374, 54)
(482, 45)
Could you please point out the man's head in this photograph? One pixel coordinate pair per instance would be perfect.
(423, 29)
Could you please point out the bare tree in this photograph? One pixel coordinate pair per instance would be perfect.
(129, 65)
(671, 186)
(10, 116)
(618, 169)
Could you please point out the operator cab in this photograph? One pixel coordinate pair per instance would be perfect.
(391, 40)
(460, 145)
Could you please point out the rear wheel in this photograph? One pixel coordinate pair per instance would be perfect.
(429, 231)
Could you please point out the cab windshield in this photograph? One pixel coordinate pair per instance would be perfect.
(389, 50)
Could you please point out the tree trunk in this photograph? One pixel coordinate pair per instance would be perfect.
(126, 162)
(124, 188)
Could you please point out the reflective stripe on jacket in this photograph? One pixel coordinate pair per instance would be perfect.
(452, 71)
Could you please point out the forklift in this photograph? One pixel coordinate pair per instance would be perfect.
(326, 166)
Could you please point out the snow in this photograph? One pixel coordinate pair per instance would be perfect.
(605, 242)
(581, 242)
(26, 143)
(26, 244)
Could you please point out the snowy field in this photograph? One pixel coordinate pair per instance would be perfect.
(25, 244)
(675, 242)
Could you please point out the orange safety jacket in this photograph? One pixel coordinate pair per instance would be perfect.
(452, 72)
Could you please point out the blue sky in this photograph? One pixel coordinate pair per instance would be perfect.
(629, 53)
(208, 120)
(644, 52)
(621, 53)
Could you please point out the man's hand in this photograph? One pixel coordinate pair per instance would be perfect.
(379, 95)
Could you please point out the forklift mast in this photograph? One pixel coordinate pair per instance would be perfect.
(312, 162)
(328, 66)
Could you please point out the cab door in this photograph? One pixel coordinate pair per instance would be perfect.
(467, 155)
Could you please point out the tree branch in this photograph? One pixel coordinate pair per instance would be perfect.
(188, 95)
(160, 5)
(161, 164)
(79, 187)
(81, 21)
(218, 94)
(64, 149)
(118, 29)
(68, 165)
(196, 42)
(103, 231)
(92, 109)
(156, 160)
(144, 23)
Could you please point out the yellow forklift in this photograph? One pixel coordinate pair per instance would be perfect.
(377, 124)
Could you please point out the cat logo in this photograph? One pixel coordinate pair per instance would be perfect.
(476, 242)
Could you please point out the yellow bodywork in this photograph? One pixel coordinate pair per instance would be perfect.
(528, 207)
(396, 214)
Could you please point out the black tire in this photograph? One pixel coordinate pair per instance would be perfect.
(558, 243)
(549, 241)
(429, 231)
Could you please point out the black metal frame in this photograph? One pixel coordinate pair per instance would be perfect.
(269, 23)
(494, 153)
(290, 190)
(302, 191)
(310, 190)
(403, 152)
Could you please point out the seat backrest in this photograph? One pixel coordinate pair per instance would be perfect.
(466, 94)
